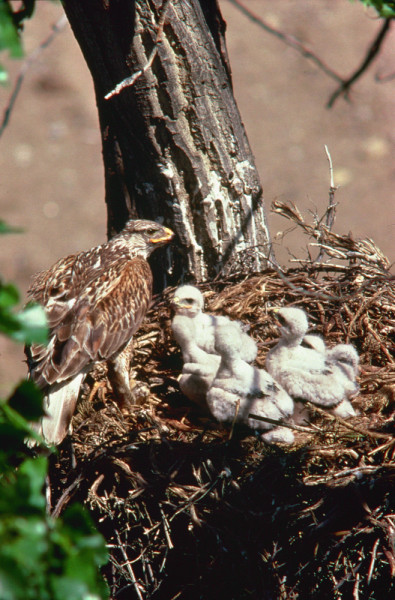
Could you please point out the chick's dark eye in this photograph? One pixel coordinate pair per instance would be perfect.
(189, 300)
(345, 360)
(281, 319)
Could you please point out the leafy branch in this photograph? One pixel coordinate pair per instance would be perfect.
(40, 556)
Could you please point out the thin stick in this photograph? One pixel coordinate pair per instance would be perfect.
(372, 434)
(65, 497)
(281, 424)
(373, 560)
(129, 567)
(344, 87)
(57, 28)
(384, 78)
(330, 212)
(166, 528)
(234, 419)
(287, 39)
(355, 592)
(300, 290)
(129, 81)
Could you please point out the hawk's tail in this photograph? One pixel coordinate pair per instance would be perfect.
(59, 405)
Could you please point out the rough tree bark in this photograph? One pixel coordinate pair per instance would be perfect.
(174, 145)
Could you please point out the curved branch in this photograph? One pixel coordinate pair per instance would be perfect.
(344, 87)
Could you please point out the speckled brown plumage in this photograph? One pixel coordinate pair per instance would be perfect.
(95, 301)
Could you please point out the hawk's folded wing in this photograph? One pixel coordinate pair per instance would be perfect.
(90, 318)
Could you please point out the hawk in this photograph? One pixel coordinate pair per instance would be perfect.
(199, 367)
(194, 330)
(240, 391)
(306, 373)
(94, 301)
(346, 358)
(188, 301)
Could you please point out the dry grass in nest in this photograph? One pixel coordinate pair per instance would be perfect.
(192, 510)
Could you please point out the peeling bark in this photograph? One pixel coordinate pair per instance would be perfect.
(174, 145)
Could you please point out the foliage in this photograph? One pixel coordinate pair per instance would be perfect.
(9, 37)
(27, 326)
(40, 557)
(385, 9)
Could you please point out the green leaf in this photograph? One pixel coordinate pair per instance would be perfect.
(27, 401)
(21, 492)
(14, 419)
(24, 406)
(3, 75)
(4, 228)
(9, 38)
(9, 295)
(32, 325)
(29, 325)
(385, 9)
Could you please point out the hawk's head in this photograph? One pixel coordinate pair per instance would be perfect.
(144, 236)
(346, 355)
(292, 322)
(188, 301)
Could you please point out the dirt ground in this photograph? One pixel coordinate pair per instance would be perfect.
(50, 154)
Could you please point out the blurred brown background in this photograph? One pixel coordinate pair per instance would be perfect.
(51, 180)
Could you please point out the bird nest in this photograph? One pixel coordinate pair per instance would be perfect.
(191, 509)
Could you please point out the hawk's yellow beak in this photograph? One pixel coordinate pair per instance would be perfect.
(178, 302)
(166, 238)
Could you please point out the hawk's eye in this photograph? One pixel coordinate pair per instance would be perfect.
(151, 231)
(345, 360)
(281, 319)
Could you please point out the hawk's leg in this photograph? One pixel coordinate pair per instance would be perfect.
(118, 374)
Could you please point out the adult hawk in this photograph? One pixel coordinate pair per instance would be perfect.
(94, 301)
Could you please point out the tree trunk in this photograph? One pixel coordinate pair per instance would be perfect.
(174, 146)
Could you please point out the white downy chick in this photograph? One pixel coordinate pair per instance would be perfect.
(199, 367)
(188, 301)
(346, 358)
(305, 373)
(237, 381)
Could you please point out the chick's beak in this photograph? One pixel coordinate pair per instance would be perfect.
(179, 303)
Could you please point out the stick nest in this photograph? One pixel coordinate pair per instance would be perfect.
(193, 510)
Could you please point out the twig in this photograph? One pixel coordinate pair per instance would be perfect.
(300, 290)
(65, 497)
(129, 567)
(345, 84)
(383, 347)
(57, 28)
(281, 424)
(384, 78)
(356, 471)
(287, 39)
(365, 432)
(129, 81)
(355, 592)
(330, 212)
(373, 560)
(234, 419)
(166, 528)
(344, 87)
